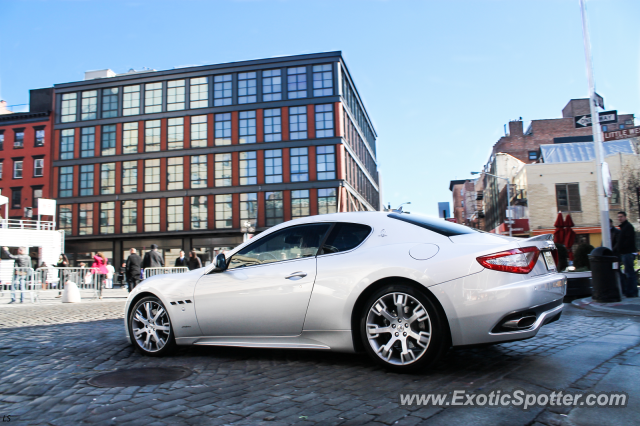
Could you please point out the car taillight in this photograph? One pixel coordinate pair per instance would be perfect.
(517, 261)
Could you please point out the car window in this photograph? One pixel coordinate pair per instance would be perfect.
(345, 236)
(291, 243)
(439, 226)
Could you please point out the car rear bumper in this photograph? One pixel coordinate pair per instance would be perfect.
(477, 308)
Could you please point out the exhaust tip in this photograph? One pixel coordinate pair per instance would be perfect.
(521, 323)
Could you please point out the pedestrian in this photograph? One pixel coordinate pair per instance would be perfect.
(615, 236)
(626, 248)
(153, 258)
(110, 272)
(132, 269)
(63, 262)
(181, 261)
(194, 261)
(20, 272)
(122, 275)
(99, 269)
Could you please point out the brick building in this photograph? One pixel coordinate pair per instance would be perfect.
(184, 158)
(25, 155)
(457, 193)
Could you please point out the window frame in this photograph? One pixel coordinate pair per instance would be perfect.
(566, 187)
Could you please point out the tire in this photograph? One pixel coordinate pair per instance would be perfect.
(151, 334)
(412, 344)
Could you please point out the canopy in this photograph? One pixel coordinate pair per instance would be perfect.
(583, 151)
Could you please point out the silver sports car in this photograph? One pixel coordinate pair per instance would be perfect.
(401, 287)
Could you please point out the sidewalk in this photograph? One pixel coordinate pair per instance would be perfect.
(628, 306)
(48, 297)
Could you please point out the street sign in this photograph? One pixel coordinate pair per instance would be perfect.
(46, 207)
(632, 132)
(599, 101)
(606, 117)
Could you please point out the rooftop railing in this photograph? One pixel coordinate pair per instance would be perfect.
(33, 225)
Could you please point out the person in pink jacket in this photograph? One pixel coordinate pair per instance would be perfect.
(99, 268)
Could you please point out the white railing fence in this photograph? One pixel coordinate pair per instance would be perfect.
(149, 272)
(21, 282)
(38, 225)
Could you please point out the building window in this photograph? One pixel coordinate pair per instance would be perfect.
(271, 85)
(322, 80)
(223, 170)
(224, 211)
(85, 219)
(615, 193)
(65, 219)
(86, 180)
(152, 215)
(38, 167)
(108, 140)
(299, 164)
(199, 171)
(129, 216)
(129, 138)
(247, 126)
(175, 95)
(222, 90)
(247, 87)
(199, 89)
(273, 166)
(66, 182)
(88, 142)
(1, 140)
(175, 133)
(297, 82)
(152, 136)
(533, 155)
(39, 137)
(272, 125)
(129, 177)
(107, 217)
(248, 209)
(131, 100)
(274, 211)
(1, 163)
(568, 197)
(199, 212)
(152, 175)
(248, 168)
(324, 121)
(297, 123)
(107, 178)
(326, 162)
(152, 98)
(223, 129)
(16, 198)
(620, 126)
(175, 173)
(89, 105)
(175, 214)
(69, 107)
(198, 131)
(18, 140)
(37, 194)
(66, 144)
(327, 201)
(110, 102)
(604, 127)
(299, 203)
(17, 169)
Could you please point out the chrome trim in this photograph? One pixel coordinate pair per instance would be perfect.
(536, 325)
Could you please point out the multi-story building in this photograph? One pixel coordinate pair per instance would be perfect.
(192, 157)
(25, 155)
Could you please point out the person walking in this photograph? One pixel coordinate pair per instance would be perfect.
(20, 273)
(153, 258)
(63, 261)
(99, 269)
(132, 269)
(194, 261)
(627, 250)
(181, 261)
(110, 273)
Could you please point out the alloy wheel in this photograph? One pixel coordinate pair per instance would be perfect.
(151, 326)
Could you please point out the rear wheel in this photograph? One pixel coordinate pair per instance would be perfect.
(402, 329)
(150, 327)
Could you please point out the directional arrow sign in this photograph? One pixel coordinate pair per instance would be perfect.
(606, 117)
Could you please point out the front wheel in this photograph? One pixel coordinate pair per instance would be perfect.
(402, 329)
(150, 327)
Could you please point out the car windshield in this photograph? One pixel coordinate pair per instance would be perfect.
(439, 226)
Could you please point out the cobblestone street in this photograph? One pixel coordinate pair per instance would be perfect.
(47, 359)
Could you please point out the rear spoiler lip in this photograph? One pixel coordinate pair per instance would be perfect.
(540, 241)
(542, 237)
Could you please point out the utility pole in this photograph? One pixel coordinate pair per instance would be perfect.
(597, 134)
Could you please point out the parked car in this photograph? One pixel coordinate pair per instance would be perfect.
(401, 287)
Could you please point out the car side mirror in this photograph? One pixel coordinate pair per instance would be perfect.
(220, 263)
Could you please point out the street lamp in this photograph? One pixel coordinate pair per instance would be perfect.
(508, 197)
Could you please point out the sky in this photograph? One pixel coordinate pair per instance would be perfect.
(440, 79)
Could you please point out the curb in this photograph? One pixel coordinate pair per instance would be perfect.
(612, 308)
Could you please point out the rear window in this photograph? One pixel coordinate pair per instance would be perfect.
(438, 226)
(344, 237)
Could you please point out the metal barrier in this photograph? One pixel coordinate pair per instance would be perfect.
(21, 282)
(149, 272)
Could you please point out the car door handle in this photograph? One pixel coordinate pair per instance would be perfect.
(296, 276)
